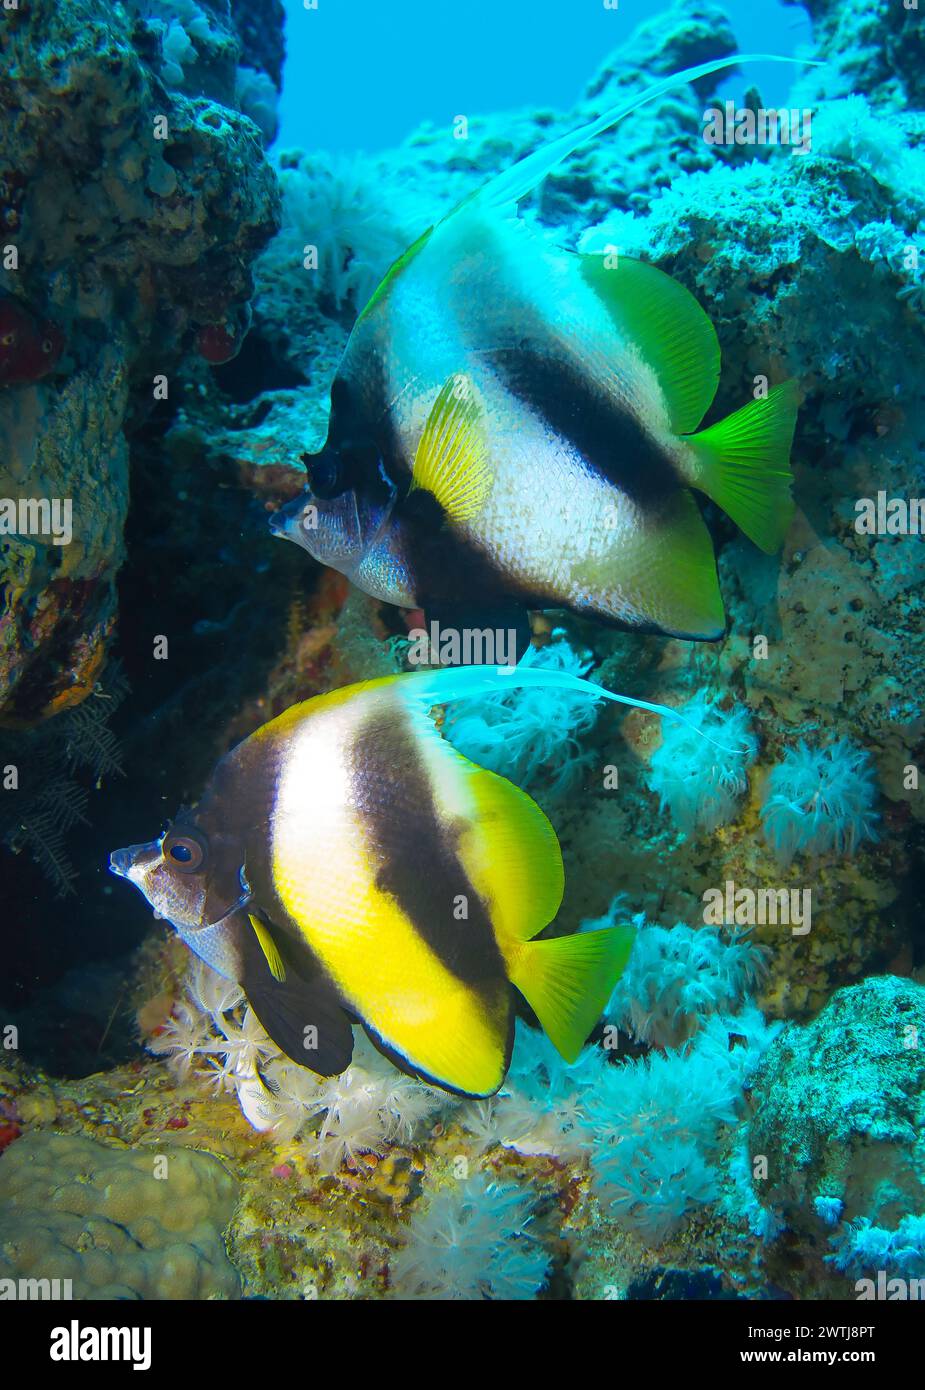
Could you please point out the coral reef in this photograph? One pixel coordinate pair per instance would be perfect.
(838, 1119)
(699, 1145)
(116, 1223)
(128, 264)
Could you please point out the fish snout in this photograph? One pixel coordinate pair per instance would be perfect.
(285, 523)
(277, 525)
(125, 863)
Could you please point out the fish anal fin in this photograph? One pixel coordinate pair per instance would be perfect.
(661, 575)
(668, 327)
(464, 1079)
(451, 460)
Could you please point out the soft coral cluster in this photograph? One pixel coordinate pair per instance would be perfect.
(675, 978)
(702, 779)
(819, 800)
(658, 1122)
(530, 734)
(471, 1240)
(212, 1033)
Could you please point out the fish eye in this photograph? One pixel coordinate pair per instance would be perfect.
(9, 339)
(48, 347)
(185, 852)
(324, 475)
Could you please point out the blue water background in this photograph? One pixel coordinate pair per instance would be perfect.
(361, 74)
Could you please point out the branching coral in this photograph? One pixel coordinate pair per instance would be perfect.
(820, 799)
(472, 1241)
(697, 780)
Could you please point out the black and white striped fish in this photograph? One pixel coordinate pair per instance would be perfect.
(516, 423)
(346, 863)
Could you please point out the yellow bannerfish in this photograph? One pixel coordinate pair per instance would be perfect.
(346, 863)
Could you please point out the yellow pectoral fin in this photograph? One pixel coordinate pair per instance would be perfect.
(269, 948)
(451, 461)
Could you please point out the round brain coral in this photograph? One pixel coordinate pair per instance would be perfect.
(112, 1222)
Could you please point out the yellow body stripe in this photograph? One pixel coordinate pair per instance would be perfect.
(326, 880)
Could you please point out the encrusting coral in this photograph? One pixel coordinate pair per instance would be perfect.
(836, 1130)
(116, 1222)
(129, 264)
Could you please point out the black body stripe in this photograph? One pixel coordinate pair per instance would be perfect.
(418, 860)
(611, 440)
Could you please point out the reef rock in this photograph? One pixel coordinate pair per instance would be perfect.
(130, 212)
(117, 1223)
(840, 1116)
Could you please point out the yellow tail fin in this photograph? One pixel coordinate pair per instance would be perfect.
(744, 465)
(568, 980)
